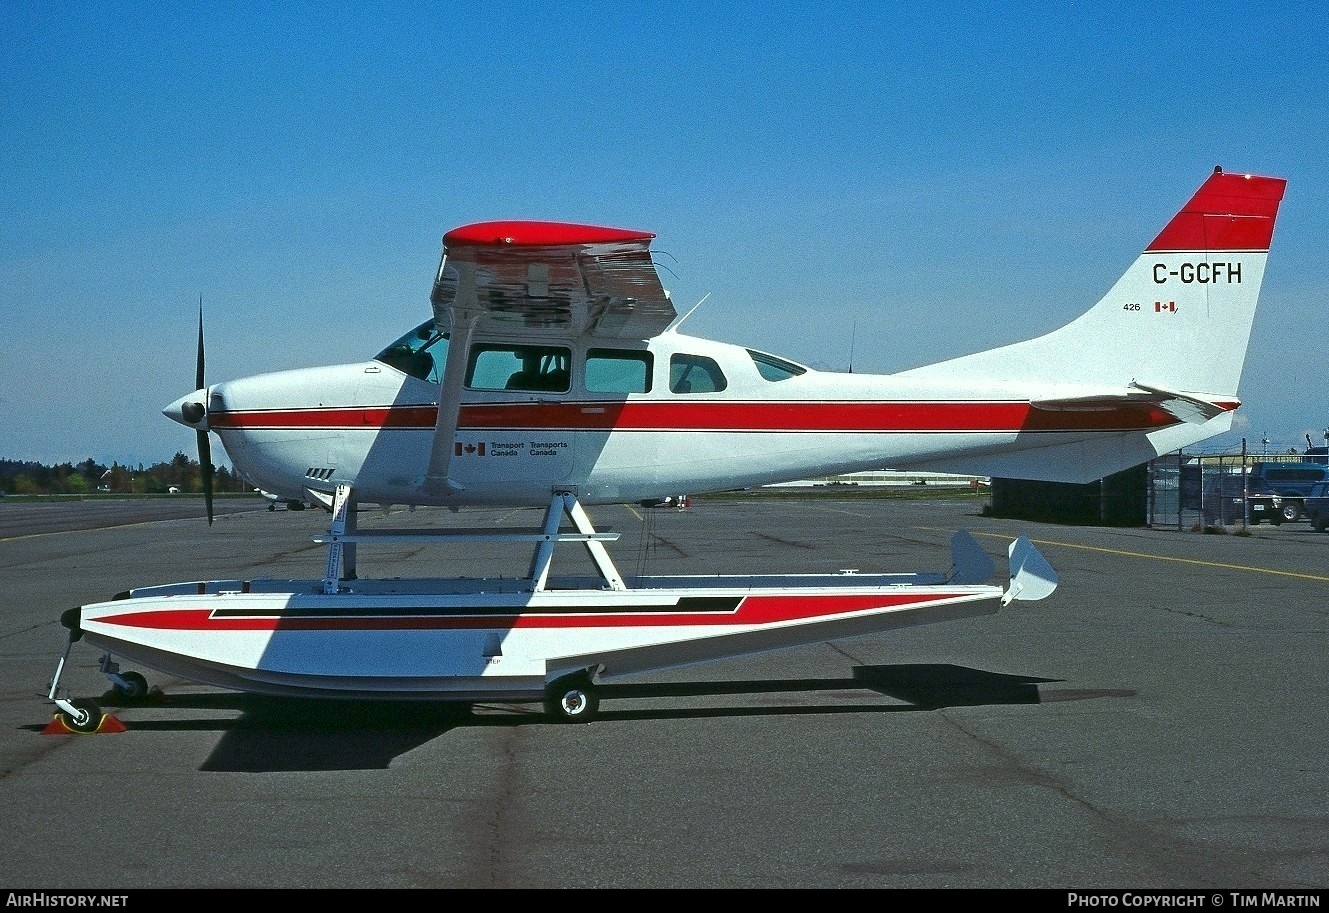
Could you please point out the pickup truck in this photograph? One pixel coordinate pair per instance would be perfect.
(1291, 482)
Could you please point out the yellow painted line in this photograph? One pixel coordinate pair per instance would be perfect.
(1111, 551)
(1118, 551)
(91, 529)
(632, 510)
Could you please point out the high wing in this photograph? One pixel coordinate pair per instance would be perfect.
(551, 277)
(556, 279)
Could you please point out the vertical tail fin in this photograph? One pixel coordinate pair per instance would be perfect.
(1180, 317)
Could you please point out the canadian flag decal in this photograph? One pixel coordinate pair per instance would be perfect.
(460, 449)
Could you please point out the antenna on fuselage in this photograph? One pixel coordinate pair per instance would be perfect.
(679, 322)
(853, 336)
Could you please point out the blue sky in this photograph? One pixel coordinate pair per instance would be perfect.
(903, 182)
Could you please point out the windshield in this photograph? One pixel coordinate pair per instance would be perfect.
(421, 353)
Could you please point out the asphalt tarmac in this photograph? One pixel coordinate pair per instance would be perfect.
(1158, 722)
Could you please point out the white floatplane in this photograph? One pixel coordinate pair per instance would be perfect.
(553, 374)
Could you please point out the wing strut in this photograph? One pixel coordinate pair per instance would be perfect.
(463, 322)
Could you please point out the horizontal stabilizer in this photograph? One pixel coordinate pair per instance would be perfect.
(1032, 577)
(1185, 407)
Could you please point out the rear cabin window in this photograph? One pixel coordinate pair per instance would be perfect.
(695, 374)
(540, 369)
(772, 368)
(618, 371)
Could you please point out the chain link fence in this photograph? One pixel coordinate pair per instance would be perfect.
(1190, 491)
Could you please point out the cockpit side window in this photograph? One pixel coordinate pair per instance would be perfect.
(618, 371)
(538, 369)
(772, 368)
(421, 353)
(695, 374)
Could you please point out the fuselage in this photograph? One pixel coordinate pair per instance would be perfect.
(570, 376)
(618, 422)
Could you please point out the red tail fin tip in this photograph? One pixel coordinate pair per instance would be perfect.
(1229, 212)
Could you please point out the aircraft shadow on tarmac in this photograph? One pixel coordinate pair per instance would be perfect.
(274, 734)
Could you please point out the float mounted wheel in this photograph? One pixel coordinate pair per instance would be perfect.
(572, 699)
(86, 718)
(135, 687)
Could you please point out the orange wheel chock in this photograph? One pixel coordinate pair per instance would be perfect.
(108, 723)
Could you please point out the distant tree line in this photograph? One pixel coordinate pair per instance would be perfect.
(24, 477)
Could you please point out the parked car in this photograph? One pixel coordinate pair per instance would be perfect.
(1224, 500)
(1317, 506)
(1290, 481)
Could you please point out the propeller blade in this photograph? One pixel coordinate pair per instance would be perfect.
(205, 464)
(198, 374)
(204, 447)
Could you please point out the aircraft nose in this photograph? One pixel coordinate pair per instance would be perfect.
(190, 410)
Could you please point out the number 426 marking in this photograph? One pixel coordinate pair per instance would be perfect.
(1160, 307)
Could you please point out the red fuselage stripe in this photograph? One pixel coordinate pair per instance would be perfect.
(716, 416)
